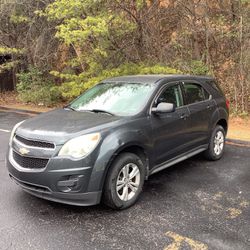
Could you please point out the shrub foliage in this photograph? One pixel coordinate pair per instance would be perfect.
(33, 87)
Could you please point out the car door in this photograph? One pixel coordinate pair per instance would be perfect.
(169, 129)
(201, 106)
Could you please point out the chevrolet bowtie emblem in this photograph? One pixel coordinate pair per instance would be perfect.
(24, 151)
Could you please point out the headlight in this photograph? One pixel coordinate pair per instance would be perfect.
(80, 146)
(13, 131)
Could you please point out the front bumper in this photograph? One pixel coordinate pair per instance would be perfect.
(49, 183)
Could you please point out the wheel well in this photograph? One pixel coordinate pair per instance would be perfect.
(223, 123)
(140, 152)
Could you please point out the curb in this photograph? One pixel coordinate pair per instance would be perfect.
(25, 111)
(240, 142)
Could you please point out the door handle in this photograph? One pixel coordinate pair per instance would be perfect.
(209, 106)
(184, 116)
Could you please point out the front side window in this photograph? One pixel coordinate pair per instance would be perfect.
(195, 93)
(117, 98)
(171, 94)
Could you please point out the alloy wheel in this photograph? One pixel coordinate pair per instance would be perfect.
(219, 143)
(128, 182)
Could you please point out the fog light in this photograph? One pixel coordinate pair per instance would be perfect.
(69, 183)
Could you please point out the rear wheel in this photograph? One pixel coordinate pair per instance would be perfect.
(216, 144)
(124, 181)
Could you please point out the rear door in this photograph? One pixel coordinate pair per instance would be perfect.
(170, 129)
(201, 107)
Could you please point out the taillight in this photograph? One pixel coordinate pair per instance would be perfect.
(227, 103)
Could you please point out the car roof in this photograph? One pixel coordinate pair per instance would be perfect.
(154, 78)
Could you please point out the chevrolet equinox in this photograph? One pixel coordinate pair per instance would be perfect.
(108, 141)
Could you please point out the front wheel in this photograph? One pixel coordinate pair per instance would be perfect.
(216, 145)
(124, 181)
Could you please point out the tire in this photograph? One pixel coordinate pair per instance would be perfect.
(119, 177)
(216, 144)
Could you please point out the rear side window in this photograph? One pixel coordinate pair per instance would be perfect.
(195, 93)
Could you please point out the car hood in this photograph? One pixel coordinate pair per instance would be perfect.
(60, 125)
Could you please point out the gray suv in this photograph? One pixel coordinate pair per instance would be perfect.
(107, 142)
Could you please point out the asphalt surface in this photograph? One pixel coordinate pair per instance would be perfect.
(193, 205)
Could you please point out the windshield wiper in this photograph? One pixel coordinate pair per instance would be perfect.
(69, 107)
(99, 111)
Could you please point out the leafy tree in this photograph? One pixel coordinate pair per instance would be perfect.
(27, 37)
(82, 41)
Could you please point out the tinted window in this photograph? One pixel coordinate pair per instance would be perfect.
(171, 95)
(195, 93)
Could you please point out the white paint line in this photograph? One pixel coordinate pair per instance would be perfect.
(4, 130)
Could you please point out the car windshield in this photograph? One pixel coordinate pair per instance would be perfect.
(121, 99)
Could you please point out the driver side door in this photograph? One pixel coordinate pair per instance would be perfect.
(170, 129)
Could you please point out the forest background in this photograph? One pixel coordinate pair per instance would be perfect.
(60, 48)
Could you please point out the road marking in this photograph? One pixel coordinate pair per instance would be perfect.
(4, 130)
(179, 240)
(233, 212)
(215, 204)
(244, 204)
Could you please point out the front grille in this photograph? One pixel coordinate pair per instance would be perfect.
(32, 143)
(29, 162)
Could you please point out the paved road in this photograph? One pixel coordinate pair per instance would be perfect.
(194, 205)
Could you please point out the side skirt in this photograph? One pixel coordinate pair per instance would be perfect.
(177, 159)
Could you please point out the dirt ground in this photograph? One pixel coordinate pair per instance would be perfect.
(10, 100)
(239, 128)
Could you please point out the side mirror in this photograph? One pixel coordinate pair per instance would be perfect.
(164, 107)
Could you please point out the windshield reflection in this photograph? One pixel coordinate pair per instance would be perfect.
(115, 98)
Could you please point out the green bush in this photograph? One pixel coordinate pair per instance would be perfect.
(34, 87)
